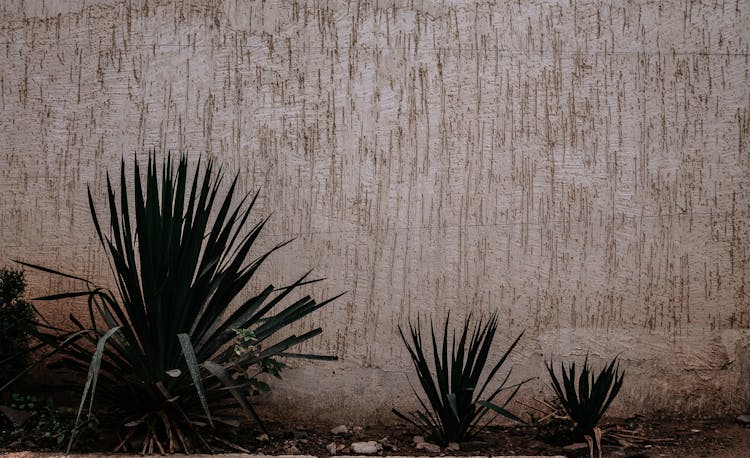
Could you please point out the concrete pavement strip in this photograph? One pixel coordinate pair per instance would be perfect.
(238, 455)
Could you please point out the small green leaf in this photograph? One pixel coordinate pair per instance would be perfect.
(500, 410)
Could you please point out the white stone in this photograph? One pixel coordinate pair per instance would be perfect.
(366, 448)
(340, 430)
(429, 447)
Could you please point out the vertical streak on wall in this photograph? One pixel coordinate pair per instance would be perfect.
(582, 168)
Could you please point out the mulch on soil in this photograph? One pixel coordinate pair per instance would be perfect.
(636, 437)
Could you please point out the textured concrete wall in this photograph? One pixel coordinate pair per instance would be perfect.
(581, 167)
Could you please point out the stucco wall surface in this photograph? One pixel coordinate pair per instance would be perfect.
(581, 167)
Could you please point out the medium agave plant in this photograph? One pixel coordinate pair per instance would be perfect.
(586, 398)
(161, 349)
(455, 408)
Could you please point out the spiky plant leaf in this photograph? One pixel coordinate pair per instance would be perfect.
(192, 364)
(89, 388)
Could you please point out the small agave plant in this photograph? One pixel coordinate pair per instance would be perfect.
(585, 397)
(457, 400)
(178, 346)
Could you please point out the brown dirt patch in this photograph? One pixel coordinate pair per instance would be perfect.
(632, 438)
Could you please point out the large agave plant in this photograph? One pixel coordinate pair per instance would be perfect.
(586, 397)
(456, 406)
(163, 348)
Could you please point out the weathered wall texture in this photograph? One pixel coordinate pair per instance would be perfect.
(581, 167)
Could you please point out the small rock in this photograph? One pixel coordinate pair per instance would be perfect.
(472, 446)
(366, 448)
(340, 430)
(419, 440)
(426, 446)
(576, 448)
(264, 438)
(357, 430)
(292, 450)
(453, 447)
(332, 448)
(743, 419)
